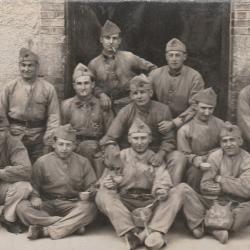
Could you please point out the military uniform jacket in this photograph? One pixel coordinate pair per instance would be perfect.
(199, 138)
(88, 117)
(154, 113)
(235, 173)
(40, 104)
(113, 75)
(177, 91)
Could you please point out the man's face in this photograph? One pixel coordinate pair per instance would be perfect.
(63, 148)
(83, 86)
(28, 70)
(231, 145)
(110, 43)
(204, 111)
(141, 96)
(175, 59)
(139, 141)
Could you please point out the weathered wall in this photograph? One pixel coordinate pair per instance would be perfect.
(239, 52)
(36, 24)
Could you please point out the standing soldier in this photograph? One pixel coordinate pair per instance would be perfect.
(175, 84)
(200, 136)
(87, 117)
(114, 69)
(31, 106)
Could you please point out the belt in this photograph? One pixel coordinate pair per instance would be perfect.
(28, 124)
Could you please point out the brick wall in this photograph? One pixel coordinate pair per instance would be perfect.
(239, 52)
(39, 25)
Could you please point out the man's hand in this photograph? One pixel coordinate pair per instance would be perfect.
(109, 182)
(157, 159)
(165, 126)
(197, 161)
(105, 101)
(218, 179)
(161, 194)
(36, 202)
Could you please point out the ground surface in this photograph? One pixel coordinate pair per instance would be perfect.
(104, 238)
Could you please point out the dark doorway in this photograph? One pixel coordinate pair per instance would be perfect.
(146, 27)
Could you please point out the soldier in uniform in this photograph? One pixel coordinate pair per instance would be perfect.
(138, 185)
(113, 69)
(152, 113)
(60, 204)
(87, 117)
(175, 84)
(200, 136)
(31, 106)
(228, 181)
(15, 175)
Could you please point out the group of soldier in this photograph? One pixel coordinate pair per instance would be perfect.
(134, 136)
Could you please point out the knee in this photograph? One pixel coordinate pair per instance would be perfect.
(23, 189)
(181, 189)
(22, 207)
(178, 157)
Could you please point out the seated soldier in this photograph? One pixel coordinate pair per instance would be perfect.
(15, 174)
(137, 184)
(152, 113)
(59, 205)
(199, 137)
(87, 117)
(228, 181)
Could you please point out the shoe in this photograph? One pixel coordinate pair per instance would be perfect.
(12, 227)
(35, 232)
(155, 241)
(221, 235)
(132, 241)
(81, 230)
(198, 232)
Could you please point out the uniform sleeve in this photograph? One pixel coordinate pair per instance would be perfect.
(183, 143)
(116, 129)
(37, 178)
(20, 168)
(168, 143)
(108, 117)
(207, 181)
(239, 186)
(65, 113)
(162, 179)
(243, 113)
(143, 66)
(98, 86)
(4, 102)
(53, 119)
(89, 175)
(197, 85)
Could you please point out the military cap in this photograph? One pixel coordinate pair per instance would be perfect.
(27, 55)
(140, 82)
(175, 44)
(138, 126)
(110, 28)
(81, 70)
(207, 96)
(65, 132)
(230, 130)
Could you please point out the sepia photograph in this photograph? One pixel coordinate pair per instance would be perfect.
(125, 125)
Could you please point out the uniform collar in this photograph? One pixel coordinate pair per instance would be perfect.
(175, 73)
(91, 101)
(146, 108)
(108, 56)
